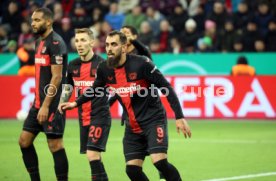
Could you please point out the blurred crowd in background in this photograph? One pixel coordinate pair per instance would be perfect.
(174, 26)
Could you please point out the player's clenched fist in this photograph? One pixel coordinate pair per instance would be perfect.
(182, 124)
(66, 106)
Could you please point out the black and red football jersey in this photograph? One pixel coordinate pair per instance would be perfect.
(134, 84)
(81, 75)
(49, 51)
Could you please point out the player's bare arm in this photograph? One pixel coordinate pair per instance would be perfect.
(183, 126)
(66, 106)
(66, 93)
(56, 71)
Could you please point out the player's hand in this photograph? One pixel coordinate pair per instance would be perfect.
(66, 106)
(130, 38)
(182, 125)
(42, 115)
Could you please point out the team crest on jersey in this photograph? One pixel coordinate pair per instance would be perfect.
(76, 71)
(132, 76)
(43, 50)
(59, 59)
(110, 78)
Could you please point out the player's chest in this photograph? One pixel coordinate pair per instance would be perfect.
(125, 81)
(42, 55)
(83, 75)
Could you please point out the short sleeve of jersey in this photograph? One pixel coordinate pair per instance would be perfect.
(99, 77)
(69, 78)
(58, 52)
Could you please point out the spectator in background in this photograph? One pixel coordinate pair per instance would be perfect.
(114, 17)
(242, 68)
(11, 47)
(66, 30)
(96, 15)
(259, 45)
(146, 33)
(127, 5)
(12, 16)
(79, 17)
(26, 56)
(155, 46)
(189, 36)
(135, 18)
(271, 36)
(238, 45)
(154, 17)
(105, 30)
(175, 46)
(4, 37)
(178, 18)
(211, 31)
(190, 6)
(165, 35)
(250, 34)
(218, 15)
(200, 18)
(227, 37)
(67, 6)
(263, 17)
(242, 16)
(58, 12)
(25, 34)
(204, 45)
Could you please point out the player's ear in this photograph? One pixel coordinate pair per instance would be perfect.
(49, 22)
(124, 48)
(92, 42)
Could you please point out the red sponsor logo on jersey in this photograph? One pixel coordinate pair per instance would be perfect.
(132, 76)
(55, 42)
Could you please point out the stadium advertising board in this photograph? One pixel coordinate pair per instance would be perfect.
(200, 96)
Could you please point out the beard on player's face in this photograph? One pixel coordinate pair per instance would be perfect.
(41, 30)
(114, 60)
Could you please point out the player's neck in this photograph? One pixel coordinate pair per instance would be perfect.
(47, 32)
(122, 60)
(87, 57)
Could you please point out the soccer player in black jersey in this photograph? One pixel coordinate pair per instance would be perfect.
(50, 70)
(130, 78)
(94, 117)
(134, 47)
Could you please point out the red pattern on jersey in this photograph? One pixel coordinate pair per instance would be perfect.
(85, 72)
(121, 79)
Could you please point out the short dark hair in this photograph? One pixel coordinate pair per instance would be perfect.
(85, 30)
(131, 28)
(242, 60)
(122, 36)
(47, 13)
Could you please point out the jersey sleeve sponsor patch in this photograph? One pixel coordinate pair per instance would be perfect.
(59, 59)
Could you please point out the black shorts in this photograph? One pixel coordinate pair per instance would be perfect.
(153, 139)
(94, 137)
(53, 127)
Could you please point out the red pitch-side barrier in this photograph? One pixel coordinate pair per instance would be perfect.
(200, 96)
